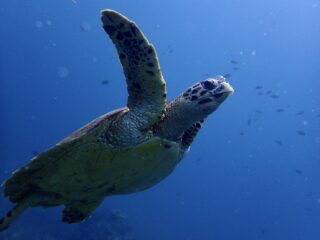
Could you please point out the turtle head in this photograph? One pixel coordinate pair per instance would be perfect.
(183, 115)
(206, 96)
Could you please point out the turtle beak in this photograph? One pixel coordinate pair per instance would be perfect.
(228, 88)
(223, 92)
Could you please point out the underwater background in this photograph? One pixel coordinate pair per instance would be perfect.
(254, 170)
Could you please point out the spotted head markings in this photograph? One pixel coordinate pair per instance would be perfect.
(206, 91)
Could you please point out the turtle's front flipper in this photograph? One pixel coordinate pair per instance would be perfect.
(146, 87)
(13, 214)
(79, 211)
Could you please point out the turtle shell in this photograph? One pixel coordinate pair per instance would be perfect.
(83, 167)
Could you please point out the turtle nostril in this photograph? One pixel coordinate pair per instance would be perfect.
(208, 85)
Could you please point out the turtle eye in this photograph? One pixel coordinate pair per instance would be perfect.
(208, 85)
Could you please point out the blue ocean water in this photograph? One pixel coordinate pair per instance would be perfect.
(254, 170)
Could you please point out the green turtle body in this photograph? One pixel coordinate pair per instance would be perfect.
(125, 151)
(84, 166)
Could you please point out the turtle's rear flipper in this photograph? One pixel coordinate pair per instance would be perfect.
(13, 214)
(79, 211)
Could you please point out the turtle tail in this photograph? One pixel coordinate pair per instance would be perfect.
(13, 214)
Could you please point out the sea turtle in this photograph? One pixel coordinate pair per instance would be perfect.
(124, 151)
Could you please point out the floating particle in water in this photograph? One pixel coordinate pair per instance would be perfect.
(275, 96)
(63, 72)
(258, 87)
(305, 123)
(300, 113)
(249, 122)
(298, 171)
(260, 93)
(48, 22)
(85, 27)
(309, 195)
(227, 75)
(74, 1)
(318, 115)
(318, 200)
(280, 110)
(105, 82)
(38, 24)
(278, 142)
(253, 53)
(301, 132)
(241, 133)
(234, 62)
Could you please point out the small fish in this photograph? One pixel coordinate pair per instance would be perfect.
(258, 87)
(298, 171)
(268, 92)
(249, 122)
(85, 27)
(279, 110)
(263, 231)
(278, 142)
(258, 111)
(309, 195)
(235, 68)
(260, 93)
(241, 133)
(234, 62)
(227, 75)
(275, 96)
(105, 82)
(302, 133)
(318, 115)
(300, 113)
